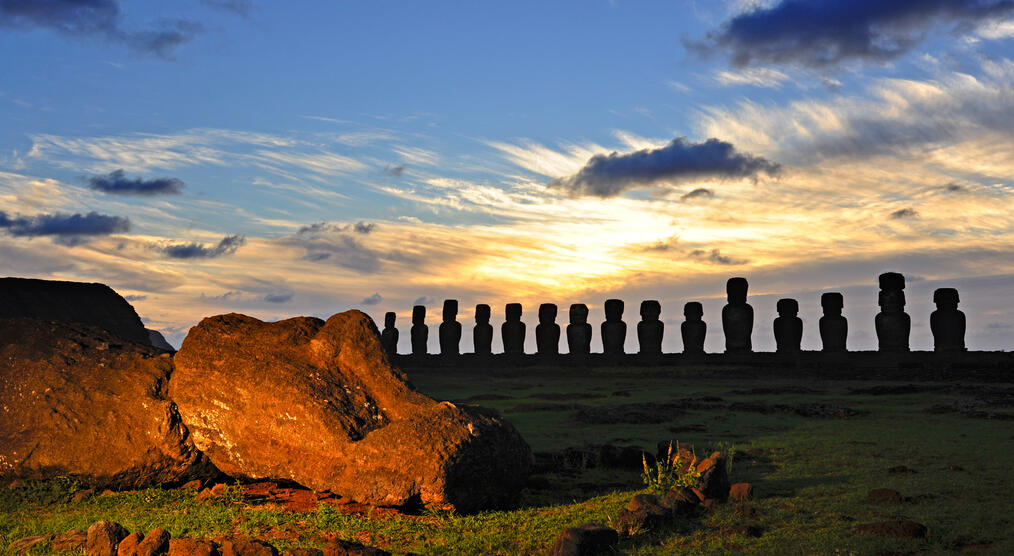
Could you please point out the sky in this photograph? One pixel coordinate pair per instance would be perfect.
(304, 158)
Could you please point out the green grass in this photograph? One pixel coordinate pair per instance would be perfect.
(810, 484)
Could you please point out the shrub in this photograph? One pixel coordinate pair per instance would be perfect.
(670, 473)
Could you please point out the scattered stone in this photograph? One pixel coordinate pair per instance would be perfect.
(340, 547)
(884, 496)
(714, 477)
(192, 547)
(809, 410)
(643, 513)
(204, 495)
(586, 540)
(682, 500)
(247, 547)
(155, 542)
(193, 485)
(748, 530)
(22, 546)
(645, 413)
(741, 492)
(128, 546)
(107, 493)
(955, 468)
(901, 469)
(103, 536)
(303, 552)
(219, 490)
(82, 495)
(746, 511)
(899, 529)
(72, 541)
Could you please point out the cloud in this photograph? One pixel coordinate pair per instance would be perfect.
(241, 8)
(363, 227)
(423, 300)
(135, 297)
(715, 256)
(395, 171)
(74, 226)
(372, 300)
(757, 77)
(823, 33)
(278, 297)
(955, 188)
(117, 183)
(699, 193)
(679, 161)
(97, 18)
(227, 246)
(341, 245)
(904, 213)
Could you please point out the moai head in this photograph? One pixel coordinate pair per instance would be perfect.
(946, 298)
(693, 311)
(578, 313)
(482, 313)
(389, 320)
(832, 302)
(788, 307)
(419, 314)
(650, 310)
(614, 310)
(735, 290)
(892, 294)
(450, 310)
(547, 313)
(513, 312)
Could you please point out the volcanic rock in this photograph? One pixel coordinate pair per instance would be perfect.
(191, 547)
(103, 537)
(585, 540)
(338, 547)
(320, 404)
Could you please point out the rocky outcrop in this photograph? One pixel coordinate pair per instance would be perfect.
(77, 302)
(318, 403)
(79, 401)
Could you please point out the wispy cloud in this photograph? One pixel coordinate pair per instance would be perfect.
(756, 77)
(194, 250)
(117, 183)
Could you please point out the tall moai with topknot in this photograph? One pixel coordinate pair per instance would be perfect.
(737, 317)
(834, 328)
(947, 322)
(419, 331)
(450, 329)
(482, 333)
(512, 331)
(788, 327)
(614, 330)
(893, 323)
(579, 332)
(389, 336)
(547, 332)
(693, 329)
(650, 329)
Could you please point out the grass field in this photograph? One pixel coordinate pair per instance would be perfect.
(812, 449)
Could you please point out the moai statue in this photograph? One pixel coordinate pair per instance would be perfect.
(788, 327)
(389, 336)
(513, 330)
(614, 330)
(450, 329)
(579, 332)
(547, 333)
(693, 329)
(420, 332)
(737, 317)
(650, 329)
(482, 334)
(947, 322)
(893, 323)
(834, 328)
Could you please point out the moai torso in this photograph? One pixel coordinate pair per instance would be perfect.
(513, 330)
(450, 329)
(547, 333)
(650, 329)
(614, 330)
(579, 332)
(693, 329)
(893, 323)
(737, 318)
(420, 332)
(482, 334)
(389, 336)
(834, 328)
(947, 322)
(788, 327)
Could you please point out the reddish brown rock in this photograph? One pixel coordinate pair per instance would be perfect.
(193, 485)
(103, 538)
(155, 542)
(320, 404)
(303, 552)
(340, 547)
(884, 496)
(71, 541)
(192, 547)
(23, 545)
(714, 477)
(585, 540)
(78, 401)
(899, 529)
(128, 546)
(247, 547)
(741, 492)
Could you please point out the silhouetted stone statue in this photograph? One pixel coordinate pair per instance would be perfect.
(834, 328)
(579, 332)
(547, 333)
(450, 329)
(737, 317)
(693, 329)
(513, 330)
(788, 327)
(389, 336)
(892, 323)
(420, 332)
(650, 329)
(482, 334)
(614, 330)
(947, 322)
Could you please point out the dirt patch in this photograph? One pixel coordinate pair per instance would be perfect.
(566, 396)
(545, 406)
(487, 398)
(645, 413)
(777, 390)
(974, 408)
(808, 410)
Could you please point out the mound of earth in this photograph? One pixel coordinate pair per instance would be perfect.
(319, 403)
(79, 401)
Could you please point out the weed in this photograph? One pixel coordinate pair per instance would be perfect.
(670, 473)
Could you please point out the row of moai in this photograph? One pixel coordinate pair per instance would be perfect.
(893, 325)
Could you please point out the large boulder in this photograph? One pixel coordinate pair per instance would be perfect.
(76, 400)
(320, 404)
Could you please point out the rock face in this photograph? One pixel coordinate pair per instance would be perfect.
(77, 302)
(76, 400)
(319, 403)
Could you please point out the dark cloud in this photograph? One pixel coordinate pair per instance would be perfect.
(822, 33)
(372, 300)
(699, 193)
(342, 245)
(227, 246)
(241, 8)
(679, 161)
(395, 171)
(135, 297)
(325, 227)
(283, 297)
(363, 227)
(667, 245)
(117, 183)
(423, 300)
(97, 18)
(955, 188)
(69, 229)
(904, 213)
(715, 256)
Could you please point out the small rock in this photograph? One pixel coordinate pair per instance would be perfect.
(899, 529)
(22, 546)
(643, 500)
(741, 492)
(901, 469)
(107, 492)
(191, 547)
(71, 541)
(219, 489)
(247, 547)
(592, 538)
(681, 496)
(128, 546)
(103, 536)
(748, 530)
(193, 485)
(204, 495)
(714, 477)
(155, 542)
(340, 547)
(303, 552)
(955, 468)
(82, 495)
(746, 511)
(884, 496)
